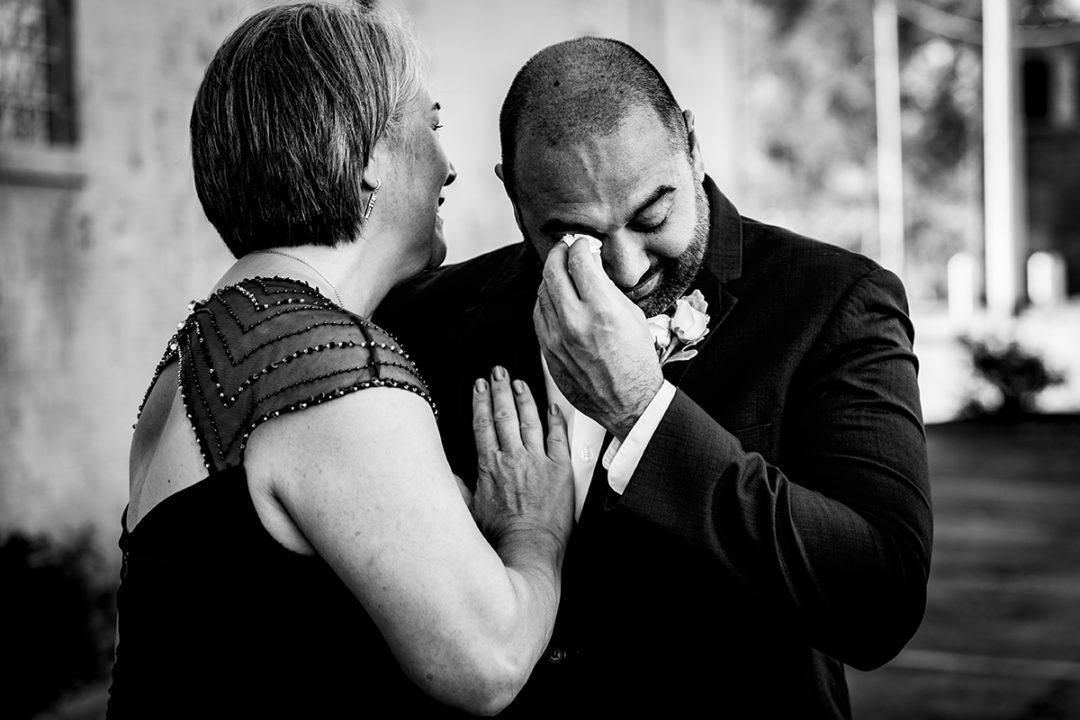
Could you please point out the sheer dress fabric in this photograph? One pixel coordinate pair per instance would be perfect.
(217, 619)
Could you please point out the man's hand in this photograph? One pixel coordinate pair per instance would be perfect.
(596, 341)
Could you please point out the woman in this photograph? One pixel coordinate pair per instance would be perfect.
(295, 543)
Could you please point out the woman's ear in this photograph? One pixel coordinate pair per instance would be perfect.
(370, 176)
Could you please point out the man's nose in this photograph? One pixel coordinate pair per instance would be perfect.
(451, 176)
(625, 259)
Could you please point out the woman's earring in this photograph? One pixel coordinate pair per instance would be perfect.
(371, 200)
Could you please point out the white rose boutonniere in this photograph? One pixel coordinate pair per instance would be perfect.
(675, 335)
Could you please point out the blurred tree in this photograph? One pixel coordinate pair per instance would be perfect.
(810, 102)
(811, 94)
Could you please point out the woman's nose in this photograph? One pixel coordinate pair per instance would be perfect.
(452, 175)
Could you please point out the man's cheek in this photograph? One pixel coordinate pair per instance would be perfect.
(671, 246)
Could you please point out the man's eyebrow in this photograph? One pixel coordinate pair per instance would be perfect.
(554, 225)
(657, 194)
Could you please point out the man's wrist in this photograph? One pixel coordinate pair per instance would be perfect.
(623, 427)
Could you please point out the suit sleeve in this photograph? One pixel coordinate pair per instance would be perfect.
(834, 542)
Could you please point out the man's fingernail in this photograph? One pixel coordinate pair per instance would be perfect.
(519, 387)
(498, 372)
(480, 386)
(553, 409)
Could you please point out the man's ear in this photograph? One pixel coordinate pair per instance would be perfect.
(517, 217)
(513, 203)
(695, 149)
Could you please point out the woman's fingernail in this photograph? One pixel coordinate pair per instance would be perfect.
(553, 409)
(498, 372)
(519, 387)
(480, 386)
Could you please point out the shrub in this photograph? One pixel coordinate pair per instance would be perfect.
(57, 619)
(1017, 374)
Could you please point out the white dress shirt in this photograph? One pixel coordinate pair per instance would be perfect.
(586, 436)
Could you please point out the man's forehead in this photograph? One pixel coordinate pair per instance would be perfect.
(637, 142)
(620, 178)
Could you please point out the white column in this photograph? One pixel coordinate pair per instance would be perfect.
(890, 168)
(1063, 82)
(1003, 150)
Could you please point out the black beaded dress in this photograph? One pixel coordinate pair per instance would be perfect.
(217, 619)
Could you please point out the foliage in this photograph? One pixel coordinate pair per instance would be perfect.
(1017, 374)
(811, 103)
(57, 620)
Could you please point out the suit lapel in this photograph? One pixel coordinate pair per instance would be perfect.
(721, 303)
(500, 326)
(502, 334)
(721, 265)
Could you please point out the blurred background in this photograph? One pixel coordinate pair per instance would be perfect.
(940, 137)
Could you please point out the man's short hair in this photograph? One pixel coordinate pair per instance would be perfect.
(582, 88)
(287, 116)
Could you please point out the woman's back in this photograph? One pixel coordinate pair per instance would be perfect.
(219, 616)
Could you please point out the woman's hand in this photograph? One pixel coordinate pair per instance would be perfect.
(524, 483)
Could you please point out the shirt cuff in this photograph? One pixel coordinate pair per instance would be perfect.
(621, 459)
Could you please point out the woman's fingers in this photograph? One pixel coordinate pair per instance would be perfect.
(483, 423)
(532, 432)
(505, 417)
(558, 445)
(504, 410)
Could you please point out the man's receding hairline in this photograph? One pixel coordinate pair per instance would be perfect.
(580, 88)
(535, 133)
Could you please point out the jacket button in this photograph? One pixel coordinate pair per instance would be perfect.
(556, 655)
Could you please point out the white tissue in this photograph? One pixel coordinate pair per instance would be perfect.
(594, 244)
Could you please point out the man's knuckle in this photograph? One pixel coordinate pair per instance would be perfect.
(549, 274)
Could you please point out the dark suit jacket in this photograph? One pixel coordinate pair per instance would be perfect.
(778, 524)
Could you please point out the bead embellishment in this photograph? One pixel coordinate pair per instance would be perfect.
(265, 361)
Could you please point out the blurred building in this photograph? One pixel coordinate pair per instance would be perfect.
(1051, 111)
(103, 242)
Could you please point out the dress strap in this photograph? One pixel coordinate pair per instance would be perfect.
(267, 346)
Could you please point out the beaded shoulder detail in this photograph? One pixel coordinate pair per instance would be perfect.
(268, 346)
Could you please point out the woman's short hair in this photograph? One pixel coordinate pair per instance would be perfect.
(287, 115)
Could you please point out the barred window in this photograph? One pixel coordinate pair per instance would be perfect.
(36, 73)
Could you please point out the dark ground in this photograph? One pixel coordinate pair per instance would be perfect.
(1001, 636)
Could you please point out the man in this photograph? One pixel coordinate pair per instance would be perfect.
(758, 516)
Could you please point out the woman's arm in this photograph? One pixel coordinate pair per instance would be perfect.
(365, 480)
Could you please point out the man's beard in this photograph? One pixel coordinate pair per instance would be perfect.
(679, 272)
